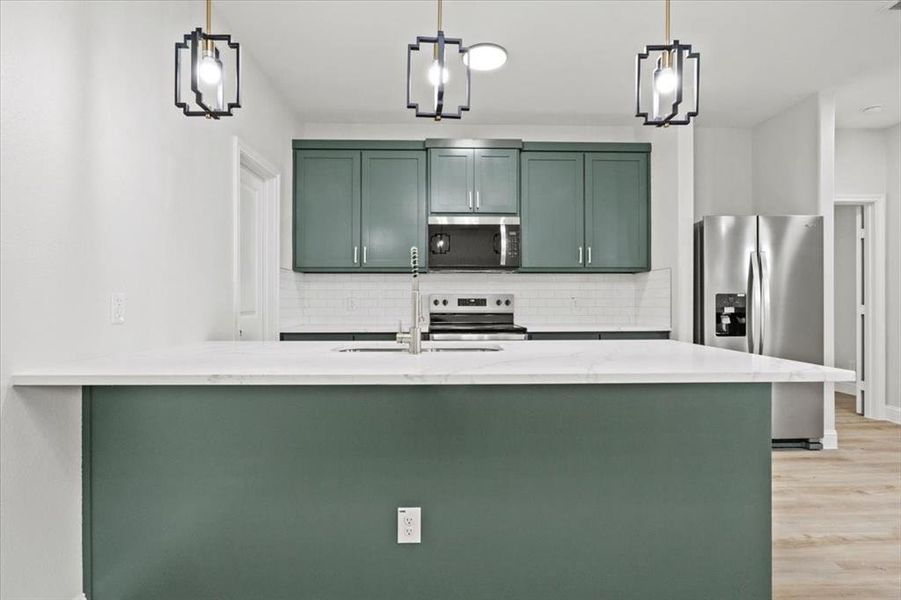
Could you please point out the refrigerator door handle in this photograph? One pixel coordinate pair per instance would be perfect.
(753, 302)
(764, 299)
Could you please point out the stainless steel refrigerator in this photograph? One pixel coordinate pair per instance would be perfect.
(759, 289)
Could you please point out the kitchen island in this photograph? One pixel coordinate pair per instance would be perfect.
(601, 469)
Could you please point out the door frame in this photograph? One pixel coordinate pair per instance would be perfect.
(874, 288)
(243, 156)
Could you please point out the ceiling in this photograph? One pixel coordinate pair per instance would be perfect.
(572, 62)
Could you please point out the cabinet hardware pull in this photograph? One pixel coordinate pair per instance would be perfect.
(580, 255)
(356, 248)
(469, 194)
(478, 200)
(364, 255)
(589, 255)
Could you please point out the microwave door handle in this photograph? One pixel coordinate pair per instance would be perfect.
(503, 244)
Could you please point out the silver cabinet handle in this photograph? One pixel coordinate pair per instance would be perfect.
(356, 248)
(364, 255)
(469, 194)
(589, 255)
(478, 200)
(580, 255)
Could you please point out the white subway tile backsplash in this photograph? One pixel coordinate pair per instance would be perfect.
(373, 300)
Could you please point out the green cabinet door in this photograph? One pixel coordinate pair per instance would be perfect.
(617, 216)
(451, 180)
(326, 209)
(393, 208)
(496, 180)
(552, 211)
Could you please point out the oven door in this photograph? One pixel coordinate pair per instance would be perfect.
(474, 243)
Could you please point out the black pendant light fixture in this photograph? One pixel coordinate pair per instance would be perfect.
(207, 70)
(673, 86)
(438, 74)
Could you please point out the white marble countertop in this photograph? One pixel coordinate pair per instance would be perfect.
(534, 362)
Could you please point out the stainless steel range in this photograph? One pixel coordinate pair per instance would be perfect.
(473, 318)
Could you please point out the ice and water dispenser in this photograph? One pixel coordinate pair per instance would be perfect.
(731, 318)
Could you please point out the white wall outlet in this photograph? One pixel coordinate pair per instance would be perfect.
(117, 309)
(409, 522)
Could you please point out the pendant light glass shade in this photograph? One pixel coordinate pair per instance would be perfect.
(667, 89)
(210, 65)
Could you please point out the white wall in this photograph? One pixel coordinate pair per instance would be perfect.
(106, 188)
(785, 161)
(723, 184)
(669, 204)
(860, 161)
(893, 266)
(845, 287)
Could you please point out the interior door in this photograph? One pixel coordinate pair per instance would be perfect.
(451, 180)
(553, 211)
(496, 181)
(393, 208)
(250, 259)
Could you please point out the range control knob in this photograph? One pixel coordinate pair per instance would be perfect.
(498, 301)
(444, 302)
(435, 302)
(507, 302)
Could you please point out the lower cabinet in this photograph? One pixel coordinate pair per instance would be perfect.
(358, 210)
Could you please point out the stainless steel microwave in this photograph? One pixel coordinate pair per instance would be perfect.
(487, 243)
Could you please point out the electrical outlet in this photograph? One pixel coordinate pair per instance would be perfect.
(409, 522)
(117, 309)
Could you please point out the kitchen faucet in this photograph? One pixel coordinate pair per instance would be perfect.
(413, 338)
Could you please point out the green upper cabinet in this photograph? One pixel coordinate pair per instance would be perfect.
(393, 208)
(358, 210)
(585, 211)
(553, 211)
(617, 221)
(451, 180)
(464, 180)
(326, 209)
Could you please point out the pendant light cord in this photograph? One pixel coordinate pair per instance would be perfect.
(439, 14)
(666, 21)
(209, 16)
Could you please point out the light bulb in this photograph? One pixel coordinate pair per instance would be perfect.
(433, 74)
(665, 80)
(210, 70)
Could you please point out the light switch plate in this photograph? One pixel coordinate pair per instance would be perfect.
(409, 525)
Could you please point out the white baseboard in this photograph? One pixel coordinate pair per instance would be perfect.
(846, 387)
(830, 440)
(893, 414)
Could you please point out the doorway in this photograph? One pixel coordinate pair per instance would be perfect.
(256, 189)
(860, 300)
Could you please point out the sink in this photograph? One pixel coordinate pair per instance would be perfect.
(490, 348)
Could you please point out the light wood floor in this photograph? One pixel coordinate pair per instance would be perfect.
(837, 514)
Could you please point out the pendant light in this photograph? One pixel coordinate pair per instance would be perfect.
(208, 69)
(673, 86)
(438, 74)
